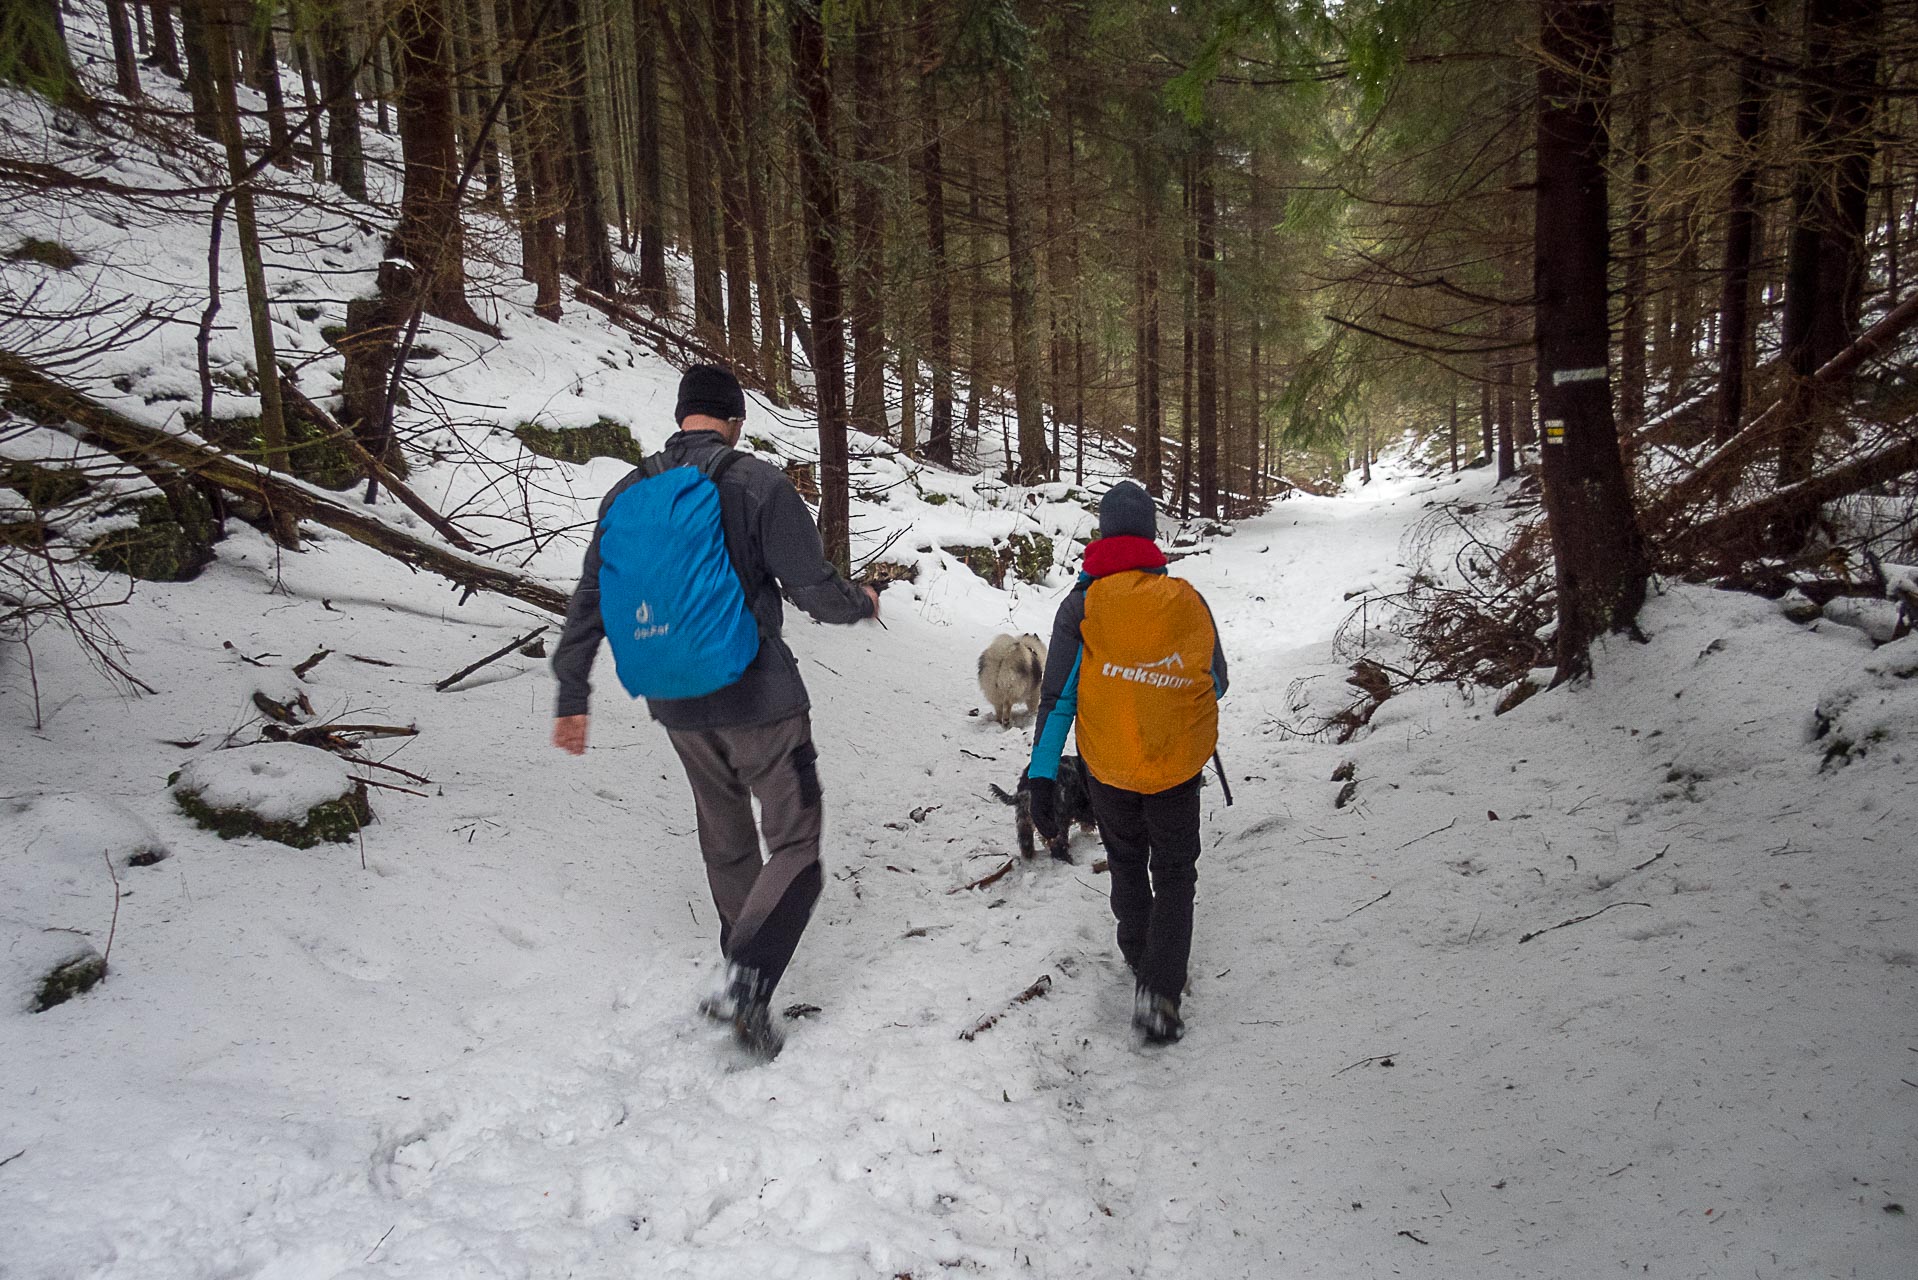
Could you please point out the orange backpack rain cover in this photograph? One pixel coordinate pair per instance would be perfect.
(1148, 715)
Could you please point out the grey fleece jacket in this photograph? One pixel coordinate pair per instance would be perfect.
(774, 544)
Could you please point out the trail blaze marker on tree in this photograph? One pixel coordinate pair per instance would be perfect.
(1554, 431)
(1562, 376)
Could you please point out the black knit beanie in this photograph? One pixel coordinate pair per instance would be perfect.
(711, 390)
(1127, 510)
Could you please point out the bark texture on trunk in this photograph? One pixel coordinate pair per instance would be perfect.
(820, 201)
(1206, 326)
(938, 447)
(868, 310)
(1825, 261)
(1600, 558)
(1023, 276)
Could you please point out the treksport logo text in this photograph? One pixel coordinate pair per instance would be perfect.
(1157, 674)
(647, 628)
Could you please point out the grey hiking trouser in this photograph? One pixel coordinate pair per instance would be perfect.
(763, 905)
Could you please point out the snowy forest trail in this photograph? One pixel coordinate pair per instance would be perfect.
(479, 1056)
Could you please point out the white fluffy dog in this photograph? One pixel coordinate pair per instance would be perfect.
(1011, 670)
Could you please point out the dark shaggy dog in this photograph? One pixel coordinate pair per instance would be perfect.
(1074, 805)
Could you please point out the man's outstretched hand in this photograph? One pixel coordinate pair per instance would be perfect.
(873, 596)
(569, 734)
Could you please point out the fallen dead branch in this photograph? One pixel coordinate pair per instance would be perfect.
(301, 669)
(492, 657)
(1031, 993)
(1537, 933)
(983, 881)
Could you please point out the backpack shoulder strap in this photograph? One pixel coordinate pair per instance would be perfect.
(653, 465)
(718, 463)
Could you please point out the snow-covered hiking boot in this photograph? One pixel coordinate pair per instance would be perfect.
(1157, 1018)
(755, 1031)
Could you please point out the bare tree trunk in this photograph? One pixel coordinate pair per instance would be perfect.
(588, 255)
(428, 235)
(1028, 396)
(1633, 337)
(976, 355)
(1507, 456)
(732, 194)
(652, 170)
(166, 46)
(337, 65)
(224, 25)
(868, 279)
(1206, 321)
(1452, 435)
(201, 92)
(1741, 217)
(1601, 566)
(126, 64)
(1825, 264)
(539, 90)
(310, 91)
(752, 96)
(269, 68)
(939, 295)
(821, 208)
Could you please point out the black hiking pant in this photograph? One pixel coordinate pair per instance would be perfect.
(764, 903)
(1152, 854)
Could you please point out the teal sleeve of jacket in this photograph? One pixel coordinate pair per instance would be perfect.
(1059, 693)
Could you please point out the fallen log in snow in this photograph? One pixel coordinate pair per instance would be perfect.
(147, 446)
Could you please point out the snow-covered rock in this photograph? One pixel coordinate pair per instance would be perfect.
(284, 791)
(1870, 712)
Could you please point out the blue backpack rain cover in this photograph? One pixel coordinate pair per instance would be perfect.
(674, 611)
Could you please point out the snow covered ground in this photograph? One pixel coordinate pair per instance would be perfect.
(479, 1056)
(466, 1045)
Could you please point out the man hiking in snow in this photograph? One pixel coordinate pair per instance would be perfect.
(1135, 660)
(683, 577)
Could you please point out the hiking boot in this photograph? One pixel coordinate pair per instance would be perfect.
(1157, 1018)
(755, 1031)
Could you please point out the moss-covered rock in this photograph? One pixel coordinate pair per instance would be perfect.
(604, 439)
(44, 488)
(68, 979)
(312, 453)
(1031, 556)
(989, 563)
(48, 253)
(334, 822)
(159, 548)
(23, 533)
(938, 499)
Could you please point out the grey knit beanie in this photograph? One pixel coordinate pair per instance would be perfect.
(1127, 510)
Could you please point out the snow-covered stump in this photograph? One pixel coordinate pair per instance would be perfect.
(60, 858)
(282, 791)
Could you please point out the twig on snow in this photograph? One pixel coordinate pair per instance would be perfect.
(1654, 858)
(312, 662)
(377, 1243)
(1355, 910)
(15, 1156)
(1377, 1057)
(990, 878)
(1414, 1239)
(1527, 937)
(494, 656)
(1033, 992)
(115, 924)
(1409, 843)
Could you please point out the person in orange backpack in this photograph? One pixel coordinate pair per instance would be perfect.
(1135, 662)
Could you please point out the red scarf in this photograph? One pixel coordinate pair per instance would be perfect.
(1120, 553)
